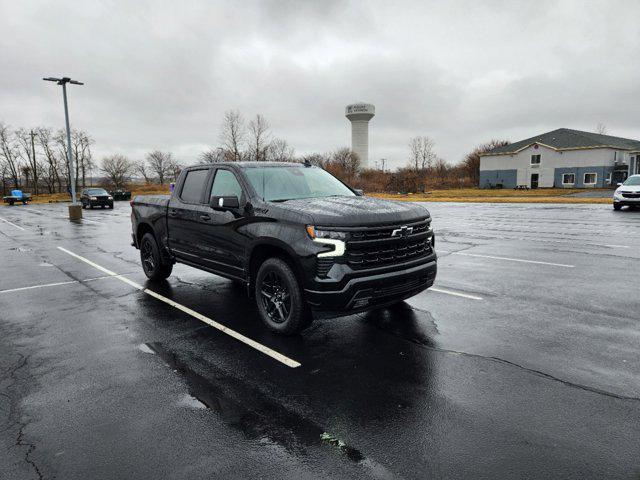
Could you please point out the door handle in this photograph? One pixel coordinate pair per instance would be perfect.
(173, 213)
(206, 218)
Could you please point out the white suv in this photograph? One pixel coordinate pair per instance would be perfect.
(627, 193)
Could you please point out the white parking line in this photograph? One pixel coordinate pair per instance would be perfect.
(506, 258)
(44, 285)
(455, 294)
(513, 259)
(38, 286)
(232, 333)
(12, 224)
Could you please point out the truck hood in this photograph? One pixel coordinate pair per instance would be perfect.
(355, 211)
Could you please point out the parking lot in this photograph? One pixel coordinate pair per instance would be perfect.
(521, 362)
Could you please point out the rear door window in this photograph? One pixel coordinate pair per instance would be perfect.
(193, 186)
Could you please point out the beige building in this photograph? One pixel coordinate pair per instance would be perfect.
(561, 158)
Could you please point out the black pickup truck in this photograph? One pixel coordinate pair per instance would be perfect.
(300, 241)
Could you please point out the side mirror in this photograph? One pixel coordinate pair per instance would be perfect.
(619, 184)
(359, 192)
(224, 203)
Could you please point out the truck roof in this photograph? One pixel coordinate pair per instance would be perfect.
(254, 164)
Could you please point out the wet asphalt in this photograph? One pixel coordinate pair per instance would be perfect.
(524, 363)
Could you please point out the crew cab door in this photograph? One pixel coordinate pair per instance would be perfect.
(183, 215)
(225, 246)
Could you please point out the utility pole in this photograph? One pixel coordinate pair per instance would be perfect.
(33, 155)
(75, 212)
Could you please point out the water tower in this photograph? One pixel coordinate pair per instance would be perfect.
(359, 115)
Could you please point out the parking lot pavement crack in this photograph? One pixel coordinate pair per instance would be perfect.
(13, 413)
(511, 364)
(20, 442)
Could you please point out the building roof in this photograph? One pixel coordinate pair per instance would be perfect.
(568, 139)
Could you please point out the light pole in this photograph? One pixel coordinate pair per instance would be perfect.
(63, 81)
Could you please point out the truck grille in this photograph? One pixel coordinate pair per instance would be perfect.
(631, 194)
(388, 245)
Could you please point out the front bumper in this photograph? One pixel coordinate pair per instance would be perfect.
(363, 293)
(626, 201)
(101, 203)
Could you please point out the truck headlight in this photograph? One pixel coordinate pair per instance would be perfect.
(94, 198)
(109, 197)
(314, 233)
(617, 195)
(328, 237)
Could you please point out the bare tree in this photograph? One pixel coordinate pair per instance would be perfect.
(212, 156)
(60, 139)
(26, 142)
(233, 134)
(10, 153)
(81, 145)
(441, 170)
(4, 175)
(140, 167)
(421, 154)
(117, 168)
(345, 163)
(174, 170)
(260, 138)
(50, 170)
(601, 128)
(279, 151)
(160, 164)
(471, 161)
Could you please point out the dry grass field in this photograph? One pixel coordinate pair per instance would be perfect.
(542, 195)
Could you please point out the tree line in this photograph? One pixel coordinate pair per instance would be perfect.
(37, 158)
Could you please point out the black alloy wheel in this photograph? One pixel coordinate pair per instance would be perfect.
(152, 263)
(275, 297)
(279, 298)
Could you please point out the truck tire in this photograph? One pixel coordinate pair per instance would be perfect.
(279, 298)
(152, 263)
(617, 206)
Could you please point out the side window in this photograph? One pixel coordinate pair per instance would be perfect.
(193, 185)
(225, 184)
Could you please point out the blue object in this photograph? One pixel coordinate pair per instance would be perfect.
(16, 193)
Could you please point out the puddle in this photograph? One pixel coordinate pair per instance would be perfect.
(143, 347)
(256, 416)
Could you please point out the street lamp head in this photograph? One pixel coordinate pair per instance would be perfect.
(63, 80)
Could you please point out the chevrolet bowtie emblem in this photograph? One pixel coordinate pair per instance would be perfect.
(403, 231)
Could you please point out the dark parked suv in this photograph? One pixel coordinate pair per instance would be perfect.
(96, 197)
(300, 240)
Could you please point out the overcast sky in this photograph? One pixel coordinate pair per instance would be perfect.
(159, 75)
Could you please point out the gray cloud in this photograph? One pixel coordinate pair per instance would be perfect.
(160, 75)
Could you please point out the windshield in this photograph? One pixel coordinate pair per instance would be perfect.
(97, 191)
(278, 184)
(633, 180)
